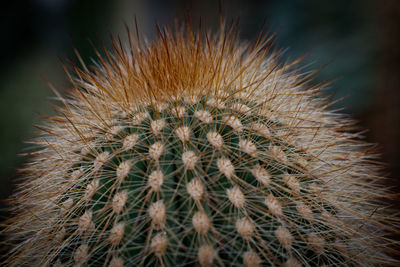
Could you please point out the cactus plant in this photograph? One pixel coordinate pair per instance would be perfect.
(198, 150)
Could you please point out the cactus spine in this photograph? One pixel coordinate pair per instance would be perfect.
(198, 150)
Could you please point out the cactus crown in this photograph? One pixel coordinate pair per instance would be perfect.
(198, 150)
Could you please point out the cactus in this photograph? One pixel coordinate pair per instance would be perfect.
(198, 150)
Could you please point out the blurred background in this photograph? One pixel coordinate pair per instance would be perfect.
(360, 39)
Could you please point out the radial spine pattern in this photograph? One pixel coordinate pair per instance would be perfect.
(197, 150)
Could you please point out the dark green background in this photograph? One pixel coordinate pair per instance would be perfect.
(359, 39)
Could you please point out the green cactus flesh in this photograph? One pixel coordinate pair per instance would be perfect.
(229, 184)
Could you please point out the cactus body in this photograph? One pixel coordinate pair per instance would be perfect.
(198, 153)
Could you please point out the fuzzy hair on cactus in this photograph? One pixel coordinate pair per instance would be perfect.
(198, 150)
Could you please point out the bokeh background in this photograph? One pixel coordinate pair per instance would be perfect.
(360, 39)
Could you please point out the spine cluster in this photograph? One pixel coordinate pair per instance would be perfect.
(194, 152)
(210, 184)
